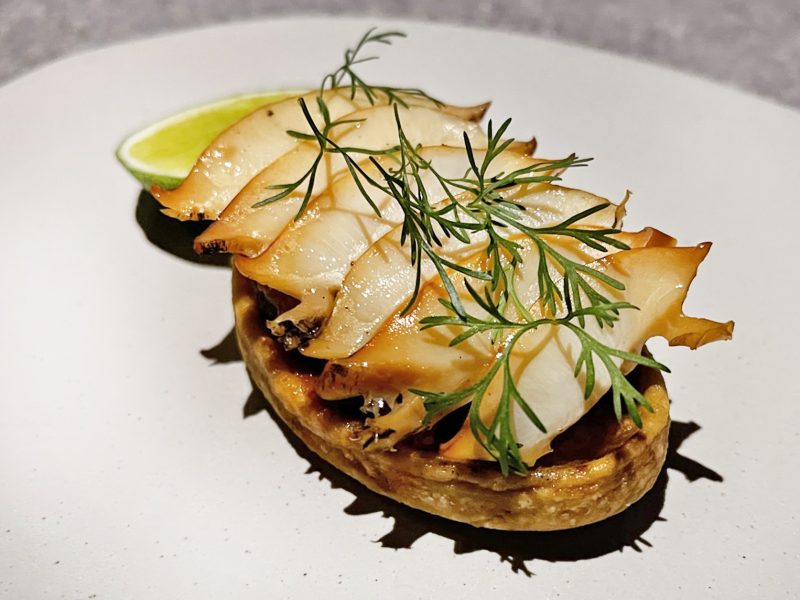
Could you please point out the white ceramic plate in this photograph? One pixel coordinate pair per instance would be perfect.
(128, 470)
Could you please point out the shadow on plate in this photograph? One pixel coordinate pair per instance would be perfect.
(622, 531)
(173, 236)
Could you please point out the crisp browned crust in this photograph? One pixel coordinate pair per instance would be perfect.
(598, 467)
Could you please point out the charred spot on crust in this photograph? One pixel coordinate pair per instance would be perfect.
(293, 335)
(212, 247)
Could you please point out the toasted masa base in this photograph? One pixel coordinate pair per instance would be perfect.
(598, 467)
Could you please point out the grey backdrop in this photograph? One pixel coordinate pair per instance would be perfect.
(752, 44)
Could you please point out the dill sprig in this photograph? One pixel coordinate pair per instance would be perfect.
(346, 75)
(476, 204)
(326, 144)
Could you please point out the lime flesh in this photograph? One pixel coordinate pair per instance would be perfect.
(163, 153)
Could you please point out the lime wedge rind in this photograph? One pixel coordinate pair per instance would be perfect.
(148, 179)
(150, 154)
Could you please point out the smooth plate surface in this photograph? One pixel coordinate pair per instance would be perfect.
(127, 467)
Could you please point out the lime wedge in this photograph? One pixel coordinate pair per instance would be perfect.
(164, 152)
